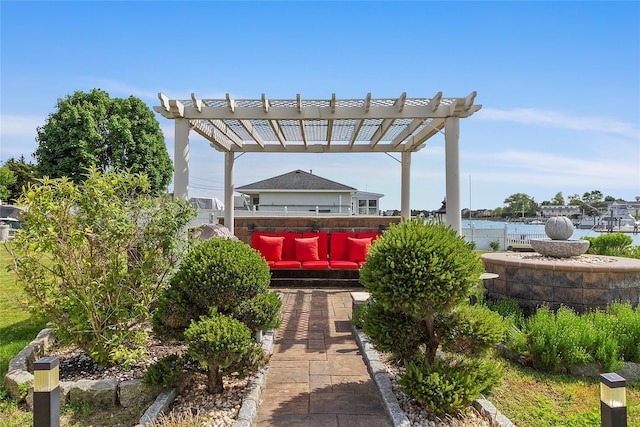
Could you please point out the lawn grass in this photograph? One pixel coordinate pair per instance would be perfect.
(538, 399)
(17, 329)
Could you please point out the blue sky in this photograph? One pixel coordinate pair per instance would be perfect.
(559, 83)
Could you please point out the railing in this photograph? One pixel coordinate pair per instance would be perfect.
(523, 239)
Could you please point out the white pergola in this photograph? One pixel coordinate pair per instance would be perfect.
(390, 125)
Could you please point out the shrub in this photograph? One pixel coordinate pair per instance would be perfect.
(260, 312)
(508, 308)
(420, 276)
(218, 273)
(449, 385)
(421, 270)
(93, 257)
(613, 244)
(471, 330)
(560, 340)
(164, 372)
(555, 339)
(223, 345)
(495, 245)
(394, 333)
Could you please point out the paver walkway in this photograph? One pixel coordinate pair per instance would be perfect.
(316, 375)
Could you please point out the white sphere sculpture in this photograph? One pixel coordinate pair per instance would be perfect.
(559, 228)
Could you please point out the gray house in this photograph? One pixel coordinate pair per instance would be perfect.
(300, 192)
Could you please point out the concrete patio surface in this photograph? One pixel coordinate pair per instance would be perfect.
(317, 375)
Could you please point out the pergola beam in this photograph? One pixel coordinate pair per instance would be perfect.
(400, 125)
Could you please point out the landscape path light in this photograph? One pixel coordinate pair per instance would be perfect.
(613, 400)
(46, 392)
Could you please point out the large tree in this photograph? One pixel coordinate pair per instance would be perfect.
(24, 173)
(520, 204)
(7, 178)
(93, 130)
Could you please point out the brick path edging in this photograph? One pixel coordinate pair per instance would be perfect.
(390, 402)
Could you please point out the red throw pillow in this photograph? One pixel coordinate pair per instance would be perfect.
(271, 247)
(358, 249)
(307, 249)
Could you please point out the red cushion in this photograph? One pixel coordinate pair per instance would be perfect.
(307, 249)
(323, 242)
(344, 264)
(315, 264)
(371, 235)
(271, 247)
(286, 264)
(338, 247)
(358, 249)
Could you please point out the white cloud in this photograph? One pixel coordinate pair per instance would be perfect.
(558, 119)
(14, 126)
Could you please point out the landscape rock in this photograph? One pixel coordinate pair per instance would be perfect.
(102, 393)
(17, 383)
(135, 392)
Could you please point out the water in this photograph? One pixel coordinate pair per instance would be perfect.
(518, 227)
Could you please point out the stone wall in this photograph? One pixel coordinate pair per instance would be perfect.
(583, 283)
(246, 226)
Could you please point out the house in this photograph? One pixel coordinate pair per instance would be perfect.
(557, 210)
(300, 192)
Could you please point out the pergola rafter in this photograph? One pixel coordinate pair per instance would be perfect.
(388, 125)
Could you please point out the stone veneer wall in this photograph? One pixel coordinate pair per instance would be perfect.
(580, 285)
(245, 226)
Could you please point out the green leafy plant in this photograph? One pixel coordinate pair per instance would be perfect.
(495, 245)
(421, 270)
(613, 244)
(556, 341)
(224, 274)
(165, 372)
(223, 344)
(449, 385)
(93, 257)
(420, 276)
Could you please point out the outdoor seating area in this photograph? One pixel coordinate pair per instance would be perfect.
(314, 250)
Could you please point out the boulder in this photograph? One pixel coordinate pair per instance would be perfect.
(102, 393)
(135, 392)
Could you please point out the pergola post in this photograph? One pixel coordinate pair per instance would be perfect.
(452, 166)
(181, 159)
(405, 193)
(228, 191)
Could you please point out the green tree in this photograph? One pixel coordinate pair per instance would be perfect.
(421, 277)
(224, 274)
(25, 173)
(519, 203)
(94, 256)
(7, 179)
(558, 199)
(223, 345)
(92, 130)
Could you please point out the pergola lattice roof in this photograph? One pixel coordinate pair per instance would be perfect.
(316, 126)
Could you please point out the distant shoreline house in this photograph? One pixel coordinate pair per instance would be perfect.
(300, 192)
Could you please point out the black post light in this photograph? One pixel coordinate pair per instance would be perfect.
(613, 400)
(46, 392)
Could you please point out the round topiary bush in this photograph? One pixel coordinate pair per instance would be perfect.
(218, 273)
(223, 344)
(419, 268)
(420, 276)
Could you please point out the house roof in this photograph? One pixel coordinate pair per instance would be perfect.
(296, 180)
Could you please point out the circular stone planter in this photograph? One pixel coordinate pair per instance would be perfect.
(584, 282)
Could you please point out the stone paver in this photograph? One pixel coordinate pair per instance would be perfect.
(317, 376)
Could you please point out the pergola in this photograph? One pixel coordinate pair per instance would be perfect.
(389, 125)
